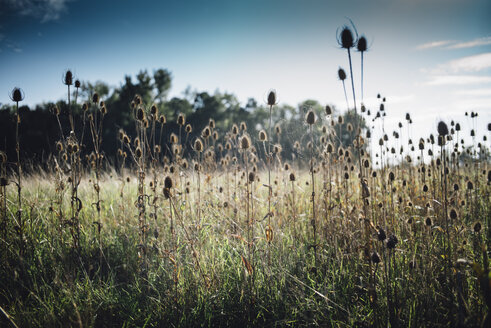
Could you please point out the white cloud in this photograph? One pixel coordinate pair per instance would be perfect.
(474, 63)
(434, 44)
(474, 43)
(438, 80)
(452, 44)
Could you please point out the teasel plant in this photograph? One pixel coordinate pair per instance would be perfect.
(347, 40)
(139, 155)
(198, 148)
(3, 194)
(17, 95)
(96, 119)
(272, 101)
(362, 47)
(310, 119)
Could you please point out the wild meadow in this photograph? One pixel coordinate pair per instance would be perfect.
(245, 226)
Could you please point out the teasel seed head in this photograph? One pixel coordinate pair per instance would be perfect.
(272, 97)
(68, 77)
(17, 95)
(361, 45)
(263, 136)
(310, 117)
(245, 142)
(95, 98)
(341, 74)
(181, 119)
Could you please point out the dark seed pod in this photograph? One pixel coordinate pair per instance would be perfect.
(477, 227)
(361, 45)
(375, 258)
(341, 74)
(425, 188)
(453, 214)
(77, 84)
(95, 98)
(245, 142)
(346, 39)
(68, 78)
(140, 114)
(428, 222)
(310, 118)
(272, 98)
(263, 136)
(392, 242)
(381, 234)
(181, 119)
(252, 176)
(329, 110)
(292, 176)
(17, 95)
(168, 183)
(198, 145)
(442, 128)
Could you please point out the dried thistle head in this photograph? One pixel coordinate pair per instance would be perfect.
(245, 142)
(346, 39)
(272, 97)
(328, 110)
(243, 126)
(95, 98)
(188, 128)
(181, 119)
(68, 77)
(198, 145)
(263, 136)
(361, 45)
(17, 95)
(310, 117)
(341, 74)
(442, 128)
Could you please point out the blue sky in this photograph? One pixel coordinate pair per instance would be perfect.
(431, 58)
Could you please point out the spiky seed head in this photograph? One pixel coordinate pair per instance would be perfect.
(17, 95)
(361, 45)
(341, 74)
(206, 132)
(211, 123)
(381, 234)
(59, 147)
(168, 183)
(263, 136)
(292, 176)
(296, 145)
(489, 127)
(198, 145)
(243, 126)
(277, 149)
(181, 119)
(235, 130)
(349, 127)
(154, 110)
(245, 142)
(473, 133)
(277, 129)
(453, 214)
(77, 84)
(140, 114)
(310, 118)
(272, 97)
(392, 176)
(477, 227)
(95, 98)
(392, 242)
(138, 153)
(346, 39)
(215, 135)
(442, 128)
(470, 185)
(375, 257)
(328, 110)
(340, 119)
(103, 110)
(68, 78)
(252, 176)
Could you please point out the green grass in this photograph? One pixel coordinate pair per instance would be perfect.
(55, 285)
